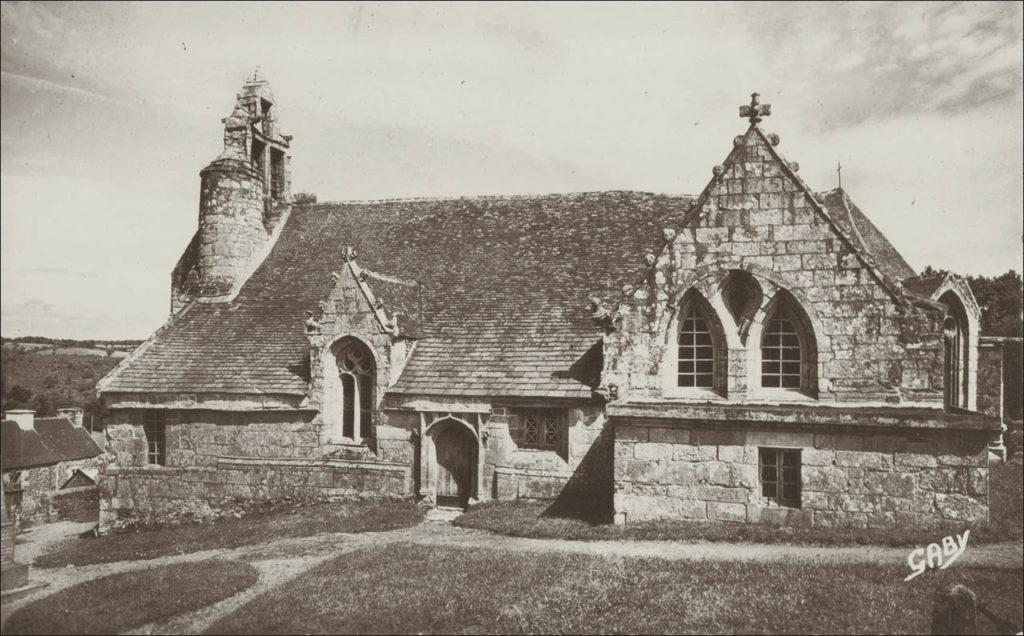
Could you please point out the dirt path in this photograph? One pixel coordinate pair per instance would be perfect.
(282, 560)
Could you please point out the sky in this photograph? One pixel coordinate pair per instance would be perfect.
(110, 110)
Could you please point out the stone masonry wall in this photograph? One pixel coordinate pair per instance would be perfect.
(756, 217)
(231, 223)
(849, 478)
(38, 499)
(579, 468)
(222, 461)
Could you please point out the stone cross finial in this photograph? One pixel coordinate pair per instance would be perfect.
(756, 110)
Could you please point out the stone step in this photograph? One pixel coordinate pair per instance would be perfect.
(443, 514)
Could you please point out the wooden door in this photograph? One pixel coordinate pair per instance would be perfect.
(456, 462)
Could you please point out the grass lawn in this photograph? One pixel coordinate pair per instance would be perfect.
(256, 527)
(119, 602)
(405, 588)
(542, 520)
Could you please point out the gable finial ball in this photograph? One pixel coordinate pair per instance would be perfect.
(737, 140)
(718, 170)
(649, 258)
(668, 234)
(335, 276)
(774, 139)
(794, 166)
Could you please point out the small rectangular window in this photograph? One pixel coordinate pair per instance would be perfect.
(539, 429)
(154, 424)
(780, 476)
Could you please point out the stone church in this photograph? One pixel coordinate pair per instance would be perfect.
(758, 353)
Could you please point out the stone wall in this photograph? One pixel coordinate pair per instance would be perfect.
(579, 468)
(849, 478)
(757, 218)
(200, 437)
(231, 224)
(152, 493)
(220, 461)
(81, 504)
(37, 500)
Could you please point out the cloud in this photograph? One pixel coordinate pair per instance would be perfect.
(878, 60)
(40, 83)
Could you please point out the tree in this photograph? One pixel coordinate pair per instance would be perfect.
(1000, 300)
(302, 198)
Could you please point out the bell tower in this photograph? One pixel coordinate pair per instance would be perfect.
(243, 194)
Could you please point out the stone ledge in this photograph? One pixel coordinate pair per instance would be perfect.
(634, 414)
(255, 462)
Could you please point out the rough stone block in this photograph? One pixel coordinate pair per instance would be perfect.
(737, 454)
(630, 433)
(669, 435)
(860, 460)
(722, 494)
(780, 438)
(824, 478)
(818, 500)
(915, 460)
(727, 511)
(639, 470)
(651, 451)
(859, 503)
(961, 460)
(815, 457)
(744, 475)
(689, 453)
(961, 507)
(719, 437)
(624, 449)
(978, 481)
(719, 474)
(839, 441)
(892, 484)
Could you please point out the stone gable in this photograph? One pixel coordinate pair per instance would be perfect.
(756, 216)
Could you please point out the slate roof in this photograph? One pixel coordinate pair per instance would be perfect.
(865, 235)
(924, 286)
(505, 295)
(503, 309)
(52, 440)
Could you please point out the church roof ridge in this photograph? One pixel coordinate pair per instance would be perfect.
(495, 197)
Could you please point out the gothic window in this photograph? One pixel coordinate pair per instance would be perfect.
(956, 334)
(355, 366)
(780, 354)
(788, 350)
(537, 429)
(154, 424)
(696, 362)
(780, 476)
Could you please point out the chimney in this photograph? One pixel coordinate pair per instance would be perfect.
(26, 418)
(73, 413)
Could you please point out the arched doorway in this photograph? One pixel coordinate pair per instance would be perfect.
(455, 449)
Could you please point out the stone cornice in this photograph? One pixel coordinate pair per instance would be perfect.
(779, 415)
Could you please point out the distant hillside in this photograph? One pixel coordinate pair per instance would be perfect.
(39, 344)
(48, 381)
